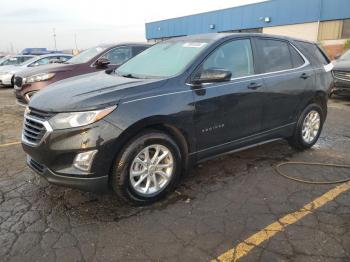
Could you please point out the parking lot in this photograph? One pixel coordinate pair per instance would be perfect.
(225, 209)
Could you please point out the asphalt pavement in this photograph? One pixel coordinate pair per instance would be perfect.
(233, 207)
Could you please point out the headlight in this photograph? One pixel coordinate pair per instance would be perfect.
(76, 119)
(40, 77)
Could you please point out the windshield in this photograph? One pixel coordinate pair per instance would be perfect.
(165, 59)
(345, 56)
(86, 55)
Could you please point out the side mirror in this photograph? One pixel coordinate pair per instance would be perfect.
(212, 75)
(102, 62)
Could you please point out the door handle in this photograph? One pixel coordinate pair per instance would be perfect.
(254, 86)
(305, 76)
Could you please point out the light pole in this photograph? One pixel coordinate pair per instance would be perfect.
(54, 38)
(75, 40)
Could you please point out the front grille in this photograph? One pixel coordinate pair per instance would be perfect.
(35, 126)
(36, 166)
(342, 75)
(42, 115)
(33, 130)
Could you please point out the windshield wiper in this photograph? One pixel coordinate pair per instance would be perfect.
(130, 76)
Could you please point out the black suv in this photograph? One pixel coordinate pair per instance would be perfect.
(140, 127)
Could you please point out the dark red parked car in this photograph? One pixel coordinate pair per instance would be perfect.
(102, 57)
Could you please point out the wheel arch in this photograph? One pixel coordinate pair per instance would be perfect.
(320, 98)
(180, 136)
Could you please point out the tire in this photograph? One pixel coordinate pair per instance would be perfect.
(125, 185)
(298, 141)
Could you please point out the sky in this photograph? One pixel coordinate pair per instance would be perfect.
(30, 23)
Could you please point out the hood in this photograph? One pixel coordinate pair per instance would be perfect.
(51, 68)
(90, 92)
(10, 68)
(342, 65)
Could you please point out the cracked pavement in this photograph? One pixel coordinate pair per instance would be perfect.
(218, 205)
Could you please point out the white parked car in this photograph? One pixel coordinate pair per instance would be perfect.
(7, 72)
(15, 59)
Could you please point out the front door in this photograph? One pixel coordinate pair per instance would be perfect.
(231, 111)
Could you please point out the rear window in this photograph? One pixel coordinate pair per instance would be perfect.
(275, 55)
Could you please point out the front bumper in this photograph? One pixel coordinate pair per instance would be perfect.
(53, 157)
(94, 184)
(341, 87)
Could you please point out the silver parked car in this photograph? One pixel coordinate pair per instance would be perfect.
(8, 72)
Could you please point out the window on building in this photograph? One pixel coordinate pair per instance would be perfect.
(346, 29)
(252, 30)
(330, 30)
(235, 56)
(275, 54)
(333, 30)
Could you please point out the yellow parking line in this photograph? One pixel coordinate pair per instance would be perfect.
(247, 245)
(10, 144)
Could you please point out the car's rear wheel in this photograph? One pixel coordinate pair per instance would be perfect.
(147, 169)
(308, 128)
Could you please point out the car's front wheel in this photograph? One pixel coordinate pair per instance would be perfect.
(308, 128)
(147, 168)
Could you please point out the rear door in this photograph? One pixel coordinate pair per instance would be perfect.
(287, 76)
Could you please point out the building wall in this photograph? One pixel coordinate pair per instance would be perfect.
(307, 31)
(281, 12)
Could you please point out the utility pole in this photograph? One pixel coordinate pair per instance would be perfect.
(75, 40)
(54, 38)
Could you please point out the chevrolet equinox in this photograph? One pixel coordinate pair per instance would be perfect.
(138, 128)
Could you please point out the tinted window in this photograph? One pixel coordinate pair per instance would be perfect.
(117, 56)
(296, 57)
(235, 56)
(313, 53)
(139, 49)
(274, 55)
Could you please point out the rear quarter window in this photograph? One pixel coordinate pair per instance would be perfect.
(314, 53)
(297, 60)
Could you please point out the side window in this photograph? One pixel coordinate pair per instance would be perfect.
(139, 49)
(235, 56)
(42, 61)
(296, 57)
(63, 58)
(119, 55)
(274, 55)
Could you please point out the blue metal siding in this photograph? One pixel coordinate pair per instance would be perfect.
(281, 12)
